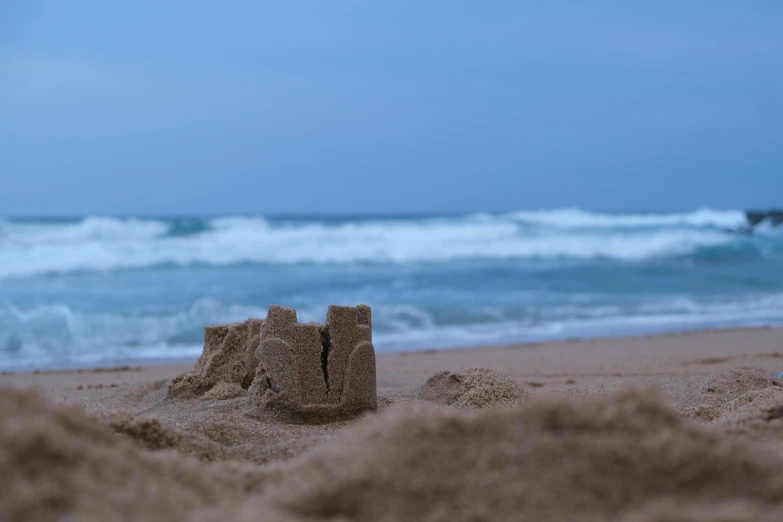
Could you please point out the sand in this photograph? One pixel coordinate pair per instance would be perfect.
(676, 427)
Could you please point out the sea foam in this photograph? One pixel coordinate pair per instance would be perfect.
(105, 244)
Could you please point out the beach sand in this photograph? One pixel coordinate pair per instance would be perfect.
(673, 427)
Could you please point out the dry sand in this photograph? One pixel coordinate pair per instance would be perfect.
(674, 427)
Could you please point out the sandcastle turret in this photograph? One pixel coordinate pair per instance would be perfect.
(316, 371)
(229, 359)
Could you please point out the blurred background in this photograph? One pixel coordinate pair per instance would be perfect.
(479, 173)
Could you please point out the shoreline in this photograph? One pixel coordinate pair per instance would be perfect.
(178, 362)
(571, 366)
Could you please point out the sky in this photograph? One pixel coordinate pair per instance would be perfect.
(347, 107)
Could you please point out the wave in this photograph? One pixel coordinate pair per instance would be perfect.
(59, 334)
(93, 228)
(105, 244)
(577, 218)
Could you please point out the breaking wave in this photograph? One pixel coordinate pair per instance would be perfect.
(61, 335)
(30, 248)
(577, 218)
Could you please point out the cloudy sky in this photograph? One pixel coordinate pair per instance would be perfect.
(388, 107)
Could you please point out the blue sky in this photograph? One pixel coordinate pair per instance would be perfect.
(370, 107)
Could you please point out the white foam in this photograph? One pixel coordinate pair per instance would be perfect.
(101, 244)
(58, 334)
(670, 314)
(93, 228)
(577, 218)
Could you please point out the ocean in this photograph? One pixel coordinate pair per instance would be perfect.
(106, 290)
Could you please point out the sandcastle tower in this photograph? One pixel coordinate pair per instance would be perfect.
(229, 359)
(316, 371)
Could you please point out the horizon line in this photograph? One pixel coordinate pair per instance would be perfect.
(347, 215)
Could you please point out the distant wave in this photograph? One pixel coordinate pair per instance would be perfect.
(577, 218)
(105, 243)
(92, 228)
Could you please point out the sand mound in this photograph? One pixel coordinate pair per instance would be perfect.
(476, 388)
(59, 464)
(703, 413)
(727, 385)
(724, 387)
(229, 357)
(611, 458)
(621, 458)
(764, 405)
(756, 416)
(225, 390)
(150, 434)
(708, 511)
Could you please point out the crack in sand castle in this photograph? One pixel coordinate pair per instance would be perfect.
(326, 343)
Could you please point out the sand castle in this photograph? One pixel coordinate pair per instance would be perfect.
(311, 372)
(317, 371)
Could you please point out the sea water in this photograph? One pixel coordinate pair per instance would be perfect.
(107, 290)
